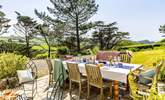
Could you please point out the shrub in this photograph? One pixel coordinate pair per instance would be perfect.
(141, 47)
(10, 63)
(95, 49)
(85, 52)
(62, 50)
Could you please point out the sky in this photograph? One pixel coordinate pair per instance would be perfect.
(141, 18)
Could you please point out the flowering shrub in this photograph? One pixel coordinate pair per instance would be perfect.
(10, 63)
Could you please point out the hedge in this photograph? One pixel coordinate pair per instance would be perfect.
(140, 47)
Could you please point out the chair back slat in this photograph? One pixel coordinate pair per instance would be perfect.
(125, 57)
(50, 66)
(74, 73)
(132, 85)
(104, 55)
(158, 68)
(94, 75)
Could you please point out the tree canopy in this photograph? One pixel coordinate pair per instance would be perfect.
(75, 13)
(162, 29)
(3, 22)
(107, 35)
(25, 29)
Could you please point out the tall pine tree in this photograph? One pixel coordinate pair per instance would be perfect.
(25, 29)
(75, 13)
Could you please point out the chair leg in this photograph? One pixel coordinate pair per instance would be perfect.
(79, 90)
(70, 88)
(101, 94)
(88, 92)
(49, 79)
(110, 90)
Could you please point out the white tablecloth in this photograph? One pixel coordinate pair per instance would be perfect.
(111, 73)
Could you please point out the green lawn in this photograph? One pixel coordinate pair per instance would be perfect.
(147, 58)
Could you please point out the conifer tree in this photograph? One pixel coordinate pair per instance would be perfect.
(75, 13)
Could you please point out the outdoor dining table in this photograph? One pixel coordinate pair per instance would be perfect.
(117, 74)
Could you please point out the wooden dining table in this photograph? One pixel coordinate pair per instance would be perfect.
(113, 73)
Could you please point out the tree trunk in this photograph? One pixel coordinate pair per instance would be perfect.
(77, 34)
(101, 42)
(49, 51)
(46, 40)
(27, 47)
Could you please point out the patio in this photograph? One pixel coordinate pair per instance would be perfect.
(43, 83)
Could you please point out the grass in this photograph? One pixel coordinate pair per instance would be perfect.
(43, 46)
(147, 58)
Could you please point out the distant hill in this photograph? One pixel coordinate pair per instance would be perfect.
(129, 43)
(17, 39)
(146, 42)
(161, 41)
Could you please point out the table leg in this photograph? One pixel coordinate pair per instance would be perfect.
(116, 90)
(110, 89)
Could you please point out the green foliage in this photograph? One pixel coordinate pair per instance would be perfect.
(41, 56)
(128, 43)
(3, 22)
(107, 35)
(75, 14)
(162, 29)
(62, 50)
(95, 50)
(25, 29)
(41, 51)
(162, 41)
(85, 52)
(10, 63)
(12, 47)
(136, 48)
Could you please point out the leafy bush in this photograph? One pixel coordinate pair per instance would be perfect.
(10, 63)
(134, 49)
(95, 50)
(62, 50)
(12, 47)
(85, 52)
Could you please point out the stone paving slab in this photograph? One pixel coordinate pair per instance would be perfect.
(42, 84)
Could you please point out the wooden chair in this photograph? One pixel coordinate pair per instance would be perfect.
(139, 91)
(75, 76)
(94, 78)
(125, 57)
(104, 55)
(50, 69)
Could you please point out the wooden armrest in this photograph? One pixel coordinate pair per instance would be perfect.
(140, 68)
(148, 78)
(138, 75)
(135, 74)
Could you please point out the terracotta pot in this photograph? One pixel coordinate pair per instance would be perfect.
(3, 84)
(8, 83)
